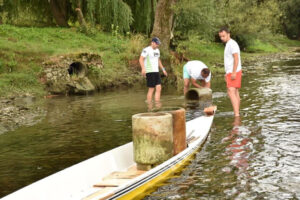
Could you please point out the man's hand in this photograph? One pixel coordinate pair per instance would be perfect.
(233, 76)
(165, 72)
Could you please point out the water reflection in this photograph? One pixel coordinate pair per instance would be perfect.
(239, 150)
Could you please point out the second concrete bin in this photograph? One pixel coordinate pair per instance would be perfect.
(152, 139)
(179, 128)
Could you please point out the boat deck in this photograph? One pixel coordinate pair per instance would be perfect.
(114, 180)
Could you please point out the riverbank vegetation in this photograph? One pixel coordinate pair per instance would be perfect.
(32, 31)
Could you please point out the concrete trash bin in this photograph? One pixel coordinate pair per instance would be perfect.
(152, 139)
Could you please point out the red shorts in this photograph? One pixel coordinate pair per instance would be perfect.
(236, 83)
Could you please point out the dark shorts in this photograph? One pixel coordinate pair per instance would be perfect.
(153, 79)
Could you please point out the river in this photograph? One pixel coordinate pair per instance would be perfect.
(256, 156)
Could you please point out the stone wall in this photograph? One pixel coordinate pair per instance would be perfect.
(67, 74)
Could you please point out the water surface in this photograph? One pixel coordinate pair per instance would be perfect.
(254, 157)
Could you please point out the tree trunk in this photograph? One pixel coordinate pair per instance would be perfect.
(163, 22)
(59, 11)
(81, 19)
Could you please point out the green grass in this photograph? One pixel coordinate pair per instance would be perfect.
(259, 46)
(23, 50)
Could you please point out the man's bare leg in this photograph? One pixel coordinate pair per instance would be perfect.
(149, 95)
(235, 100)
(157, 93)
(237, 94)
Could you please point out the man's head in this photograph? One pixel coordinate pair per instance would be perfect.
(155, 42)
(224, 34)
(205, 72)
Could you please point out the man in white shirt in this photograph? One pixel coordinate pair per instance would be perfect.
(150, 61)
(233, 69)
(196, 70)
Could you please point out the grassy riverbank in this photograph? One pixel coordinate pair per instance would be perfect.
(23, 50)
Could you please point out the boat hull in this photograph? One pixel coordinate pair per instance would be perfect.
(78, 181)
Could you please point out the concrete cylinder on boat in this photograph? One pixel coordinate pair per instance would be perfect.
(179, 129)
(152, 138)
(197, 94)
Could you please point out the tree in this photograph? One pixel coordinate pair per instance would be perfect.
(143, 15)
(291, 18)
(195, 17)
(163, 22)
(59, 10)
(63, 12)
(110, 12)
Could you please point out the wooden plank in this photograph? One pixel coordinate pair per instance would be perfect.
(100, 192)
(193, 139)
(111, 182)
(124, 175)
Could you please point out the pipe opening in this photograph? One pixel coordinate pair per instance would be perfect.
(192, 95)
(77, 68)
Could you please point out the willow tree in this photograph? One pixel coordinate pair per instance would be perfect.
(26, 12)
(143, 15)
(110, 12)
(163, 22)
(62, 12)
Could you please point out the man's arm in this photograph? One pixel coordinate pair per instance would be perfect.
(162, 67)
(141, 60)
(194, 82)
(235, 65)
(207, 84)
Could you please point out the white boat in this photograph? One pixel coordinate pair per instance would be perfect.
(113, 174)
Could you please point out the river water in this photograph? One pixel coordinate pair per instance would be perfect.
(256, 156)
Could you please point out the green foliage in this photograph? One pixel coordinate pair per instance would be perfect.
(291, 18)
(108, 12)
(247, 20)
(143, 15)
(195, 17)
(16, 83)
(26, 12)
(135, 47)
(250, 16)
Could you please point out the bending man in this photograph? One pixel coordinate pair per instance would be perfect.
(196, 70)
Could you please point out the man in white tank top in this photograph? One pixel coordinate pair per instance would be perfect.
(233, 69)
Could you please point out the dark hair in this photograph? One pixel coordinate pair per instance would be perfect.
(205, 71)
(224, 29)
